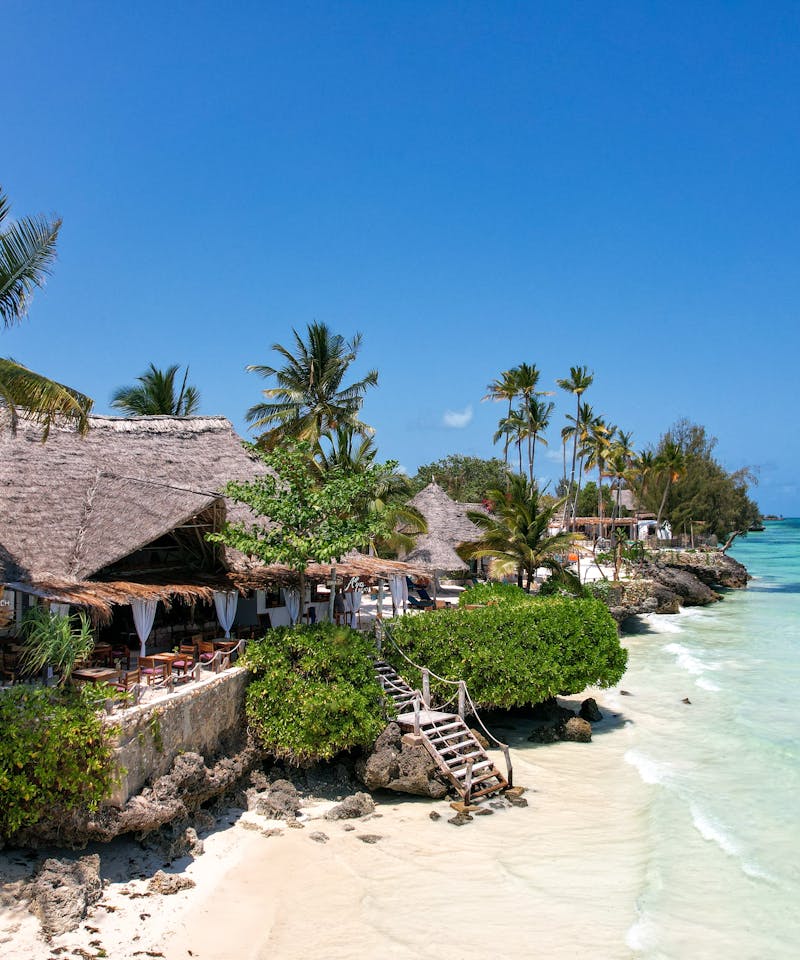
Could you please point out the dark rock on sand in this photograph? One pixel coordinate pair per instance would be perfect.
(480, 738)
(281, 802)
(590, 711)
(517, 801)
(359, 805)
(369, 837)
(400, 766)
(435, 815)
(576, 729)
(318, 836)
(545, 733)
(63, 891)
(551, 711)
(460, 819)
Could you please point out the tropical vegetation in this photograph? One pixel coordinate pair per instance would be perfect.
(515, 535)
(314, 692)
(27, 254)
(311, 397)
(55, 755)
(463, 478)
(55, 641)
(515, 654)
(306, 516)
(155, 395)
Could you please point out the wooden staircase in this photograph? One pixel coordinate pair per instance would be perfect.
(446, 737)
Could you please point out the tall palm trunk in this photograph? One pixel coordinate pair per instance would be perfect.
(663, 500)
(574, 459)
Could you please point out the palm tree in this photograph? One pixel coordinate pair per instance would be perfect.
(598, 448)
(670, 464)
(577, 383)
(584, 424)
(505, 389)
(309, 399)
(515, 534)
(346, 450)
(620, 461)
(155, 395)
(538, 420)
(27, 253)
(512, 428)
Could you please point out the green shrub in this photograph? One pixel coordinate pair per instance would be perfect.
(315, 693)
(493, 592)
(514, 655)
(54, 754)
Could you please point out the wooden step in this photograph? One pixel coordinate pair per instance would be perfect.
(476, 766)
(454, 762)
(434, 728)
(475, 794)
(458, 746)
(451, 736)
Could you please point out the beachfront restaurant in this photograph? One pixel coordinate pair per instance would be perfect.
(115, 524)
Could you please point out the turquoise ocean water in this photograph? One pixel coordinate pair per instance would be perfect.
(722, 865)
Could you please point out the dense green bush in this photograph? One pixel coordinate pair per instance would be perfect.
(493, 592)
(315, 692)
(54, 754)
(517, 654)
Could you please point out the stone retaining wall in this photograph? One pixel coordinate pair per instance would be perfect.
(207, 717)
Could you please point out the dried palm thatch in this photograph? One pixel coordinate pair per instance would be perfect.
(76, 510)
(448, 526)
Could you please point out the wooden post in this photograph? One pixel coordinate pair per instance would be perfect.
(468, 783)
(509, 768)
(426, 688)
(379, 611)
(416, 714)
(333, 594)
(462, 698)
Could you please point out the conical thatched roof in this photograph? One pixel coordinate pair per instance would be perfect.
(448, 526)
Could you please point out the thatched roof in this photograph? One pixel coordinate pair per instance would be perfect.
(448, 526)
(74, 506)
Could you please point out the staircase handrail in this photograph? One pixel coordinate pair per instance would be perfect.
(461, 684)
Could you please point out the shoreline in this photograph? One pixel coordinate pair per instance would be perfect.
(518, 872)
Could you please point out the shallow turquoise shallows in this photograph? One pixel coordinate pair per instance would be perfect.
(722, 875)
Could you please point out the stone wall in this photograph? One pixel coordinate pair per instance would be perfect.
(206, 717)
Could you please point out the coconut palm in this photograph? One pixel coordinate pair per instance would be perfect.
(27, 253)
(504, 389)
(538, 414)
(347, 451)
(670, 464)
(598, 448)
(155, 395)
(577, 383)
(310, 398)
(516, 535)
(512, 429)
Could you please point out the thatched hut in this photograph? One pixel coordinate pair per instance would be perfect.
(120, 515)
(448, 527)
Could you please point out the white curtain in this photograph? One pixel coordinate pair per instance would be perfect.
(352, 603)
(59, 609)
(404, 587)
(292, 600)
(396, 584)
(144, 613)
(226, 604)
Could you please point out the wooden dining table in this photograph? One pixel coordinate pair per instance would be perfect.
(95, 674)
(167, 659)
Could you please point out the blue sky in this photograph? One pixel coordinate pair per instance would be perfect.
(470, 185)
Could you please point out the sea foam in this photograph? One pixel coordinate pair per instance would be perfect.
(713, 831)
(651, 771)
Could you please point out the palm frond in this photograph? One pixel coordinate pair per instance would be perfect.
(27, 253)
(44, 400)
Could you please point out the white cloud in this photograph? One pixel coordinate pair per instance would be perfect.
(555, 456)
(458, 419)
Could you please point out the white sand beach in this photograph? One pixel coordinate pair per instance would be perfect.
(536, 879)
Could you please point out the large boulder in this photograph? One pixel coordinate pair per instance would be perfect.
(395, 764)
(359, 805)
(282, 802)
(682, 582)
(590, 711)
(63, 891)
(576, 729)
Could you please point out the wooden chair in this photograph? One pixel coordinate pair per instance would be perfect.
(205, 651)
(151, 670)
(188, 655)
(128, 680)
(9, 667)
